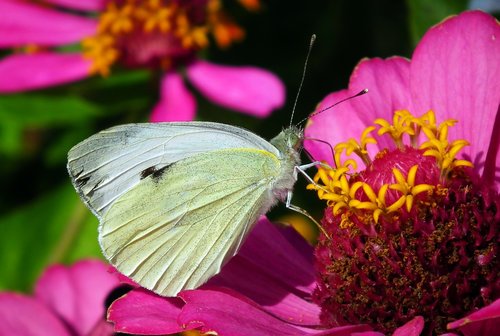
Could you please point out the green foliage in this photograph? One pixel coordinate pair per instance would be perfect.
(23, 112)
(57, 227)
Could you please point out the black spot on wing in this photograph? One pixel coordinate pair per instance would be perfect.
(81, 181)
(76, 175)
(159, 173)
(148, 171)
(155, 173)
(94, 188)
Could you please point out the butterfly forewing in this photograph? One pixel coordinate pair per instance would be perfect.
(176, 228)
(106, 165)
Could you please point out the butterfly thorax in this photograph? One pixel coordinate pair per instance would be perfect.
(289, 144)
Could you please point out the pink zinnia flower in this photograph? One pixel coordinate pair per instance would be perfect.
(267, 288)
(162, 35)
(413, 206)
(66, 301)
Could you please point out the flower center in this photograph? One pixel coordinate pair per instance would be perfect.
(157, 33)
(414, 233)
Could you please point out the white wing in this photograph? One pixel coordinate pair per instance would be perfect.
(106, 165)
(176, 229)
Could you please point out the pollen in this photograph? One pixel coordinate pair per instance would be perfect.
(397, 180)
(157, 33)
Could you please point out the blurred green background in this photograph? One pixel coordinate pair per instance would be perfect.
(42, 220)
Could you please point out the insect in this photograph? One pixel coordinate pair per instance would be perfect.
(175, 201)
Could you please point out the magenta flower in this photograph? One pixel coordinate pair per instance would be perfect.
(271, 286)
(161, 35)
(264, 290)
(67, 301)
(414, 228)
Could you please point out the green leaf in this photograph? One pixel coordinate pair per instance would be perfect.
(55, 228)
(423, 14)
(20, 113)
(124, 92)
(45, 110)
(10, 138)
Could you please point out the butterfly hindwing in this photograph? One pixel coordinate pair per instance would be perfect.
(176, 228)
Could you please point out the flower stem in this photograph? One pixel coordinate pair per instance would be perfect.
(68, 236)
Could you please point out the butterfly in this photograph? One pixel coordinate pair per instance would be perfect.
(175, 201)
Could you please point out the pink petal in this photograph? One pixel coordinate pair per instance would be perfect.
(349, 330)
(123, 279)
(245, 277)
(228, 313)
(102, 328)
(142, 312)
(367, 333)
(77, 293)
(23, 72)
(176, 102)
(87, 5)
(387, 82)
(455, 72)
(274, 269)
(23, 23)
(338, 125)
(247, 89)
(22, 315)
(283, 253)
(485, 321)
(411, 328)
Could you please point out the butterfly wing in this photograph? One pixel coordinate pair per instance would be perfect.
(106, 165)
(175, 229)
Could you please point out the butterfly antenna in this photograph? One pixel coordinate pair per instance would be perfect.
(360, 93)
(311, 44)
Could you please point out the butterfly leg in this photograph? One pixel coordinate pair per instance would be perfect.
(302, 170)
(295, 208)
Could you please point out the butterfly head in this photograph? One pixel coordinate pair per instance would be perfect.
(289, 140)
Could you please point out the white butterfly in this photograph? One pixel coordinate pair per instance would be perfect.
(175, 201)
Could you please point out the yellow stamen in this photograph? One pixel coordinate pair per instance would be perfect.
(158, 20)
(338, 150)
(131, 20)
(226, 33)
(251, 5)
(402, 124)
(117, 20)
(377, 201)
(101, 49)
(360, 148)
(407, 187)
(350, 198)
(224, 30)
(445, 153)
